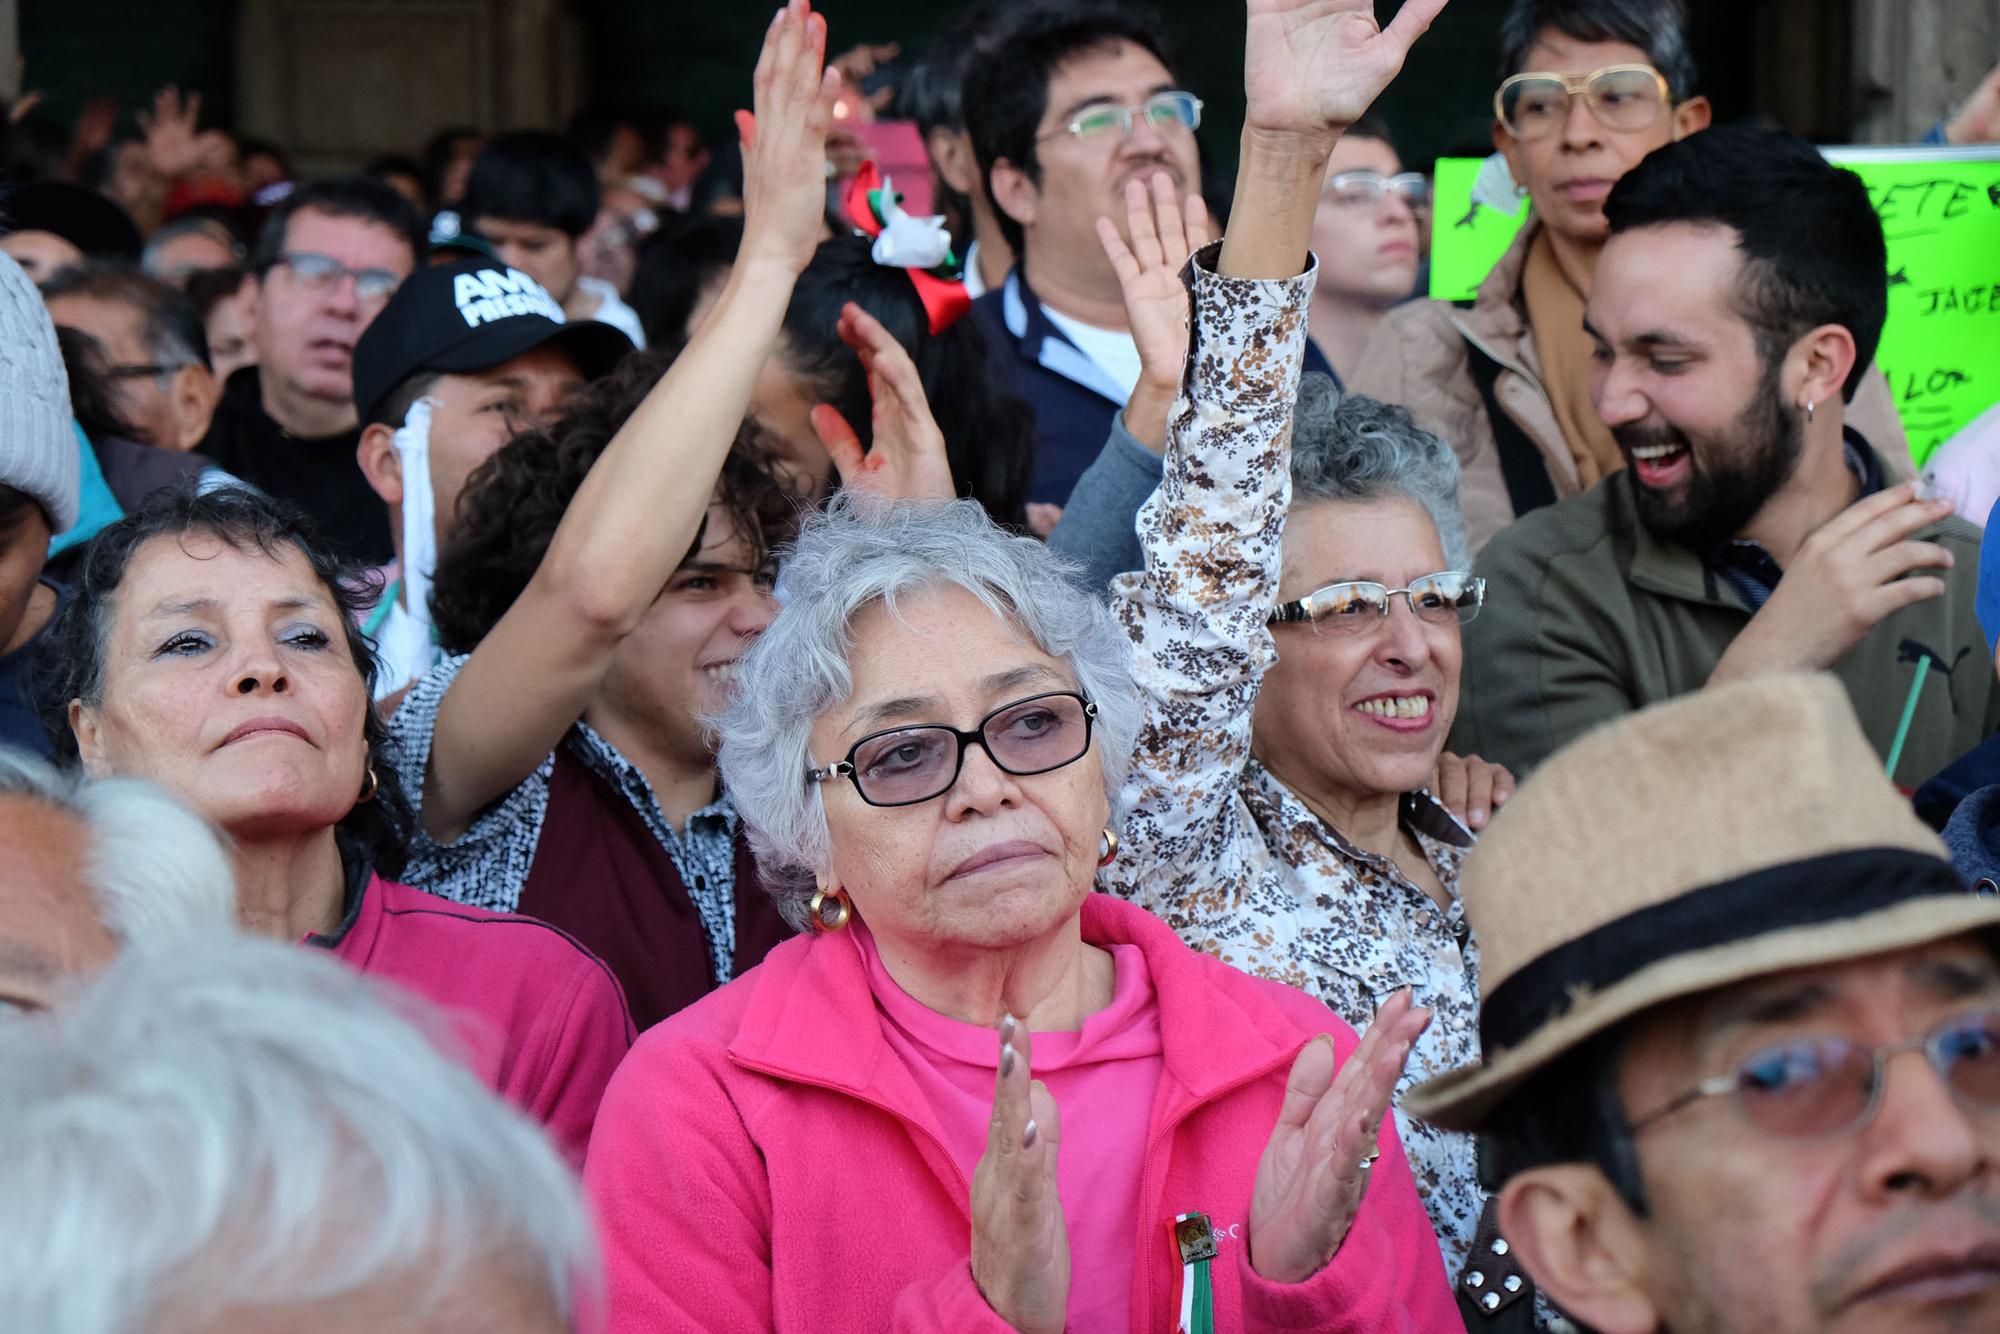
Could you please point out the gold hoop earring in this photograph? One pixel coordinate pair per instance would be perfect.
(829, 910)
(1107, 848)
(374, 786)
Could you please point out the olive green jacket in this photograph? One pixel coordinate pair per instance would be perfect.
(1588, 616)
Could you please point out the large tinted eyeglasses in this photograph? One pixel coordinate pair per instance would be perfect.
(1106, 121)
(1365, 189)
(1828, 1086)
(317, 273)
(905, 765)
(1358, 606)
(1621, 97)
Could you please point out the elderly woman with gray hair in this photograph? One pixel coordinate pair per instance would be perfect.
(978, 1095)
(235, 1135)
(1297, 626)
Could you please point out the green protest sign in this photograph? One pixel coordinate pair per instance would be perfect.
(1940, 211)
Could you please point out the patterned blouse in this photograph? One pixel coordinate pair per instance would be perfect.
(1215, 844)
(488, 864)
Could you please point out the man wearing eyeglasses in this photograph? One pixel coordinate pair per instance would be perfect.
(1591, 87)
(1741, 1025)
(1071, 105)
(330, 256)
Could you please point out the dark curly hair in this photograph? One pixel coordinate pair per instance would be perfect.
(70, 663)
(509, 509)
(989, 433)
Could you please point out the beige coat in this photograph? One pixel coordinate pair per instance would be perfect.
(1418, 357)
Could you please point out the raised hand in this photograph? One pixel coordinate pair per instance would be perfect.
(1316, 1166)
(173, 148)
(1164, 232)
(1020, 1242)
(784, 142)
(907, 458)
(1314, 66)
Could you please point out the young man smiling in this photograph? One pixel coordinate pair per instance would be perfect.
(1734, 313)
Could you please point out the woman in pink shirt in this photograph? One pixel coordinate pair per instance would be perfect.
(978, 1095)
(210, 646)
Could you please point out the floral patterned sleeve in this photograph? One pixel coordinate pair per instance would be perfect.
(1196, 614)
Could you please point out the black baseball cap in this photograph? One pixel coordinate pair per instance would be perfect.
(86, 219)
(471, 316)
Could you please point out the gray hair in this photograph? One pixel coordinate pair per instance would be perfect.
(156, 868)
(1657, 27)
(173, 329)
(861, 552)
(1350, 447)
(245, 1123)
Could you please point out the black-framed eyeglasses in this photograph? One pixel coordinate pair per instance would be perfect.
(1817, 1087)
(318, 273)
(1366, 189)
(901, 766)
(1357, 606)
(1535, 105)
(1101, 123)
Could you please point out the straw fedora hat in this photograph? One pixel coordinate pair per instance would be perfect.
(1722, 836)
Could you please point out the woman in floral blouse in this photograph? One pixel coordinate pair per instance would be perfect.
(1297, 635)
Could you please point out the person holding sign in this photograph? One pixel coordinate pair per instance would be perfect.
(1735, 307)
(1593, 86)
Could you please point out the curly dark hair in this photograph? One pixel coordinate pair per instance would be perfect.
(70, 663)
(509, 509)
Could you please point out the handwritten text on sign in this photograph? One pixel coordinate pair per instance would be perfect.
(1941, 221)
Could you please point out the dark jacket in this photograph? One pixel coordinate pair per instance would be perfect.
(1973, 835)
(1589, 616)
(322, 477)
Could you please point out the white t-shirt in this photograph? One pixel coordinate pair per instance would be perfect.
(612, 310)
(1112, 349)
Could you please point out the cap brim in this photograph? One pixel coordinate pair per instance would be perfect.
(1465, 1099)
(594, 346)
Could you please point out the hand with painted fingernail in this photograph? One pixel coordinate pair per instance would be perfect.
(1020, 1240)
(1321, 1154)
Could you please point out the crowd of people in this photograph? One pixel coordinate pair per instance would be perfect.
(1091, 760)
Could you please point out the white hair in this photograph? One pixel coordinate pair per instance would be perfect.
(242, 1123)
(860, 552)
(156, 868)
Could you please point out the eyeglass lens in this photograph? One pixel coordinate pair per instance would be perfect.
(319, 271)
(914, 764)
(1357, 188)
(1823, 1086)
(1620, 98)
(1437, 598)
(1166, 111)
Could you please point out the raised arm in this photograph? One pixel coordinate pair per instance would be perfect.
(1212, 532)
(641, 505)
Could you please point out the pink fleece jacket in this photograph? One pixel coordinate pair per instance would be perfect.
(536, 1016)
(762, 1161)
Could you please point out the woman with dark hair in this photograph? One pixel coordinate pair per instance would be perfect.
(989, 433)
(210, 645)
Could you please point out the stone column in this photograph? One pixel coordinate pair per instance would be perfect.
(1915, 60)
